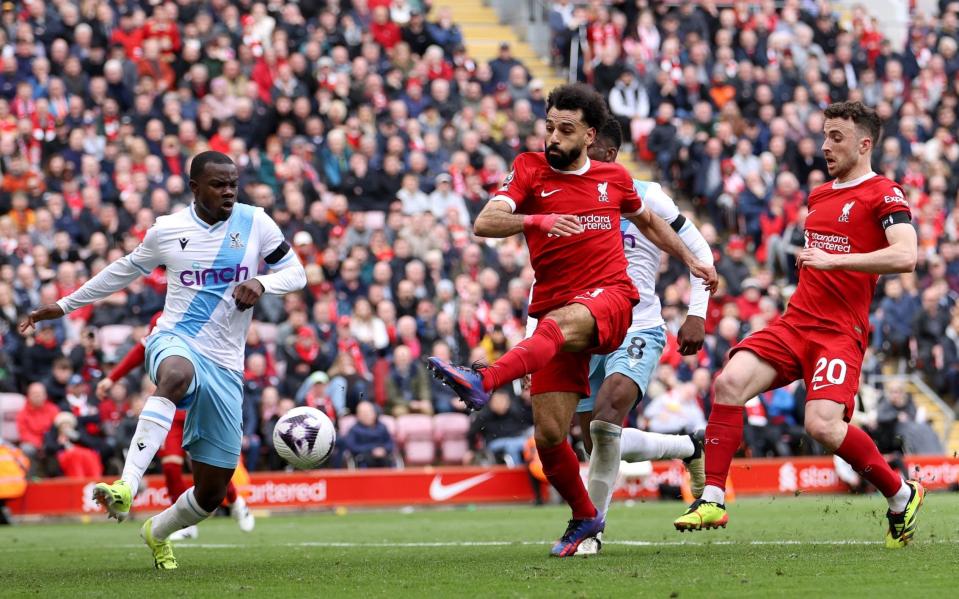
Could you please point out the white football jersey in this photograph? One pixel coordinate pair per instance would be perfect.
(644, 257)
(204, 263)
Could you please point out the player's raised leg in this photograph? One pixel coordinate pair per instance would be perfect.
(174, 376)
(570, 328)
(825, 424)
(744, 376)
(552, 413)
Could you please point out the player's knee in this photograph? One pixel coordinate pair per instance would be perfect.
(823, 430)
(729, 389)
(173, 382)
(549, 434)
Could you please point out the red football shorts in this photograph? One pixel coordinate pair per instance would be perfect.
(173, 446)
(827, 361)
(569, 371)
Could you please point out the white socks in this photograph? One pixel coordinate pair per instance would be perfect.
(152, 428)
(185, 512)
(603, 463)
(714, 494)
(897, 503)
(640, 446)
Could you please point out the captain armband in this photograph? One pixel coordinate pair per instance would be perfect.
(894, 219)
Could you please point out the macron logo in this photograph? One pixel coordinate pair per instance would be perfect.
(214, 276)
(441, 492)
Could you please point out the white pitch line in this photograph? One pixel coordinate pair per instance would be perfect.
(357, 545)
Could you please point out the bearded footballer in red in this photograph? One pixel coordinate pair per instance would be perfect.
(569, 209)
(857, 229)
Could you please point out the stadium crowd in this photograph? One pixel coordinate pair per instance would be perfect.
(373, 138)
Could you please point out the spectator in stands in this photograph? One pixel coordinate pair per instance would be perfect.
(902, 424)
(33, 422)
(368, 441)
(56, 382)
(896, 315)
(408, 387)
(928, 330)
(675, 411)
(73, 447)
(501, 428)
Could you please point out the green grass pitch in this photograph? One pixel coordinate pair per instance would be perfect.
(826, 546)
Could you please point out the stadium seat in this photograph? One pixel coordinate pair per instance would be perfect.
(10, 406)
(450, 432)
(390, 423)
(414, 432)
(346, 423)
(113, 336)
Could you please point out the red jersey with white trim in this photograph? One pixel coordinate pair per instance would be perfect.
(844, 218)
(598, 193)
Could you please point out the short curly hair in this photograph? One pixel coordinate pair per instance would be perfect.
(579, 96)
(865, 118)
(611, 133)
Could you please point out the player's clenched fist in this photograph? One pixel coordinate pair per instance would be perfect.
(706, 272)
(46, 312)
(247, 293)
(815, 258)
(691, 335)
(560, 225)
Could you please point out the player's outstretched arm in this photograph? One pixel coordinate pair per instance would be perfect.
(108, 281)
(497, 220)
(662, 235)
(898, 257)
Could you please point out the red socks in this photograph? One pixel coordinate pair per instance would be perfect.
(526, 357)
(562, 471)
(173, 474)
(724, 432)
(862, 454)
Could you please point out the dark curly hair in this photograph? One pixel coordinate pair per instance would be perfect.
(865, 118)
(579, 96)
(611, 133)
(204, 158)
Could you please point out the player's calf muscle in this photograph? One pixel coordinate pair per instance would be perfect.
(616, 396)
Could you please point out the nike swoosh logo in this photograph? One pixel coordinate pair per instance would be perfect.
(808, 214)
(817, 388)
(546, 195)
(441, 492)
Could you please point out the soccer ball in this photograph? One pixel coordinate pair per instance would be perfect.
(304, 437)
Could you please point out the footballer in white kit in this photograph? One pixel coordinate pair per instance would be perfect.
(620, 379)
(212, 251)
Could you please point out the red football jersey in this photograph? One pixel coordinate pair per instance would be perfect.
(844, 218)
(598, 193)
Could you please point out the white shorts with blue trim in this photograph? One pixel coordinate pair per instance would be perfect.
(635, 358)
(213, 431)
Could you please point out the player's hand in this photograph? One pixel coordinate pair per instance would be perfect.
(691, 335)
(816, 258)
(706, 272)
(247, 293)
(46, 312)
(103, 387)
(555, 225)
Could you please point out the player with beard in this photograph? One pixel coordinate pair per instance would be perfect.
(858, 228)
(569, 209)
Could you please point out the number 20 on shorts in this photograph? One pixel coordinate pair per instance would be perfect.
(835, 371)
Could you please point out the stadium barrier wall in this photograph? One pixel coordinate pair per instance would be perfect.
(455, 485)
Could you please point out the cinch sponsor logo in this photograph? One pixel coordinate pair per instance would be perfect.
(214, 276)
